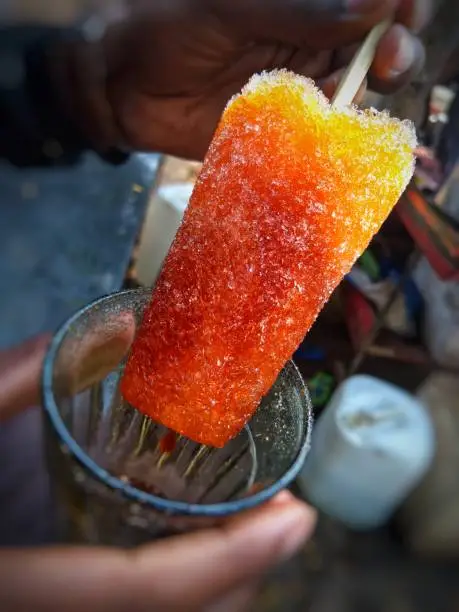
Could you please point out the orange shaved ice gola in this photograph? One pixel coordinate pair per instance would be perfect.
(290, 194)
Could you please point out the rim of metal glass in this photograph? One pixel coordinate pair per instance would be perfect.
(131, 492)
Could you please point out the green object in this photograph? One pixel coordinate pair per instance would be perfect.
(321, 387)
(369, 264)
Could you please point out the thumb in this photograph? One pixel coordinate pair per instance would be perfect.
(200, 568)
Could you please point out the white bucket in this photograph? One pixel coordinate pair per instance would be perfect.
(370, 448)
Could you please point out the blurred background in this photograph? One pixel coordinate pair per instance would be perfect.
(382, 361)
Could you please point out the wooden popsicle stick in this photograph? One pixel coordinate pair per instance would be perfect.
(359, 67)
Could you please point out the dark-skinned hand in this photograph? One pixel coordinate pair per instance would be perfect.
(158, 75)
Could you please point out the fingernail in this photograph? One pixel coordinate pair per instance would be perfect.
(285, 529)
(405, 56)
(295, 535)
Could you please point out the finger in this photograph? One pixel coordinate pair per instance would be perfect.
(182, 573)
(330, 84)
(245, 548)
(99, 352)
(413, 14)
(20, 373)
(399, 57)
(89, 357)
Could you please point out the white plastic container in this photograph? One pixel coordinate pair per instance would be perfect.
(163, 219)
(370, 448)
